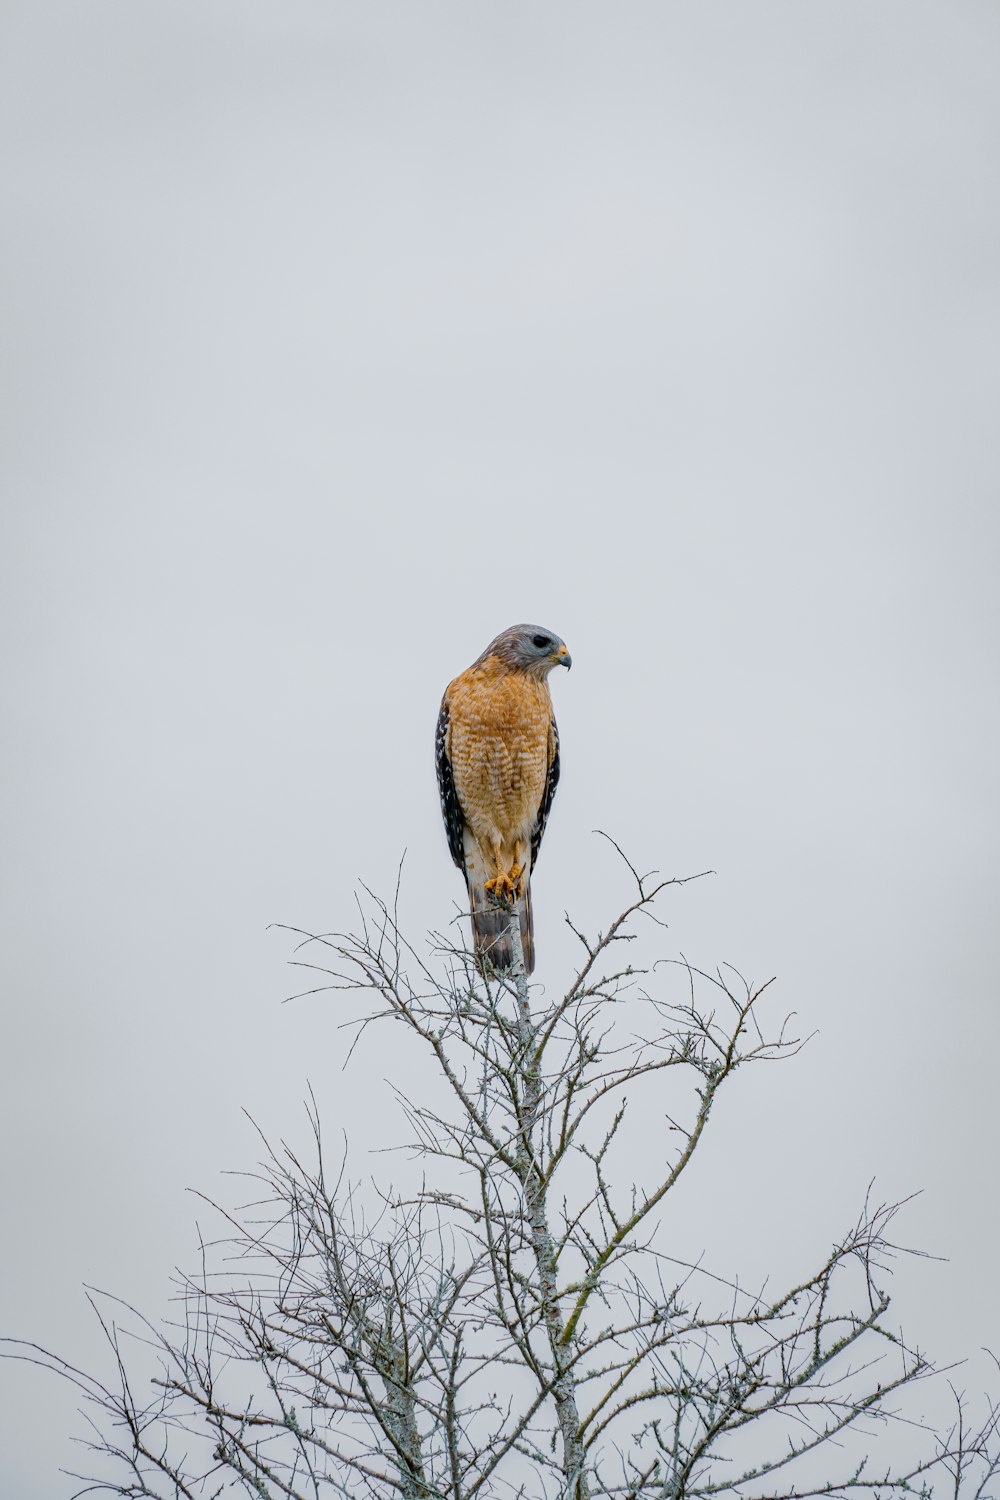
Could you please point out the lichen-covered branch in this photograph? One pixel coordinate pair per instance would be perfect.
(517, 1320)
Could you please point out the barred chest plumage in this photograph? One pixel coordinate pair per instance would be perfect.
(499, 749)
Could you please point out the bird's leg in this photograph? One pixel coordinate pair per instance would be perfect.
(504, 887)
(517, 871)
(508, 885)
(501, 887)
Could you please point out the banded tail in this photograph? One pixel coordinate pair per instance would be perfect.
(490, 927)
(490, 922)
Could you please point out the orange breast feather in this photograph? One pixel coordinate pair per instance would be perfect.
(499, 748)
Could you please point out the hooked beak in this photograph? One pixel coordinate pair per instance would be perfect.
(562, 658)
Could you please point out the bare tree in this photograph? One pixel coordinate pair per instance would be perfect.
(517, 1323)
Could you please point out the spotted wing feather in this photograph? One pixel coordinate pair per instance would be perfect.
(551, 783)
(451, 809)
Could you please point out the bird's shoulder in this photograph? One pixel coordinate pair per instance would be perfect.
(492, 693)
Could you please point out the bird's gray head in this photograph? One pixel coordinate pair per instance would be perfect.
(529, 648)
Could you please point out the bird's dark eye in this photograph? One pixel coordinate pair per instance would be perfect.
(541, 641)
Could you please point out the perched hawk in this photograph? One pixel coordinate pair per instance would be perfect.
(497, 754)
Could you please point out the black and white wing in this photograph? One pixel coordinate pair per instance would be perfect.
(551, 783)
(451, 810)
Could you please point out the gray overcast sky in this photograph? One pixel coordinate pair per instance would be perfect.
(337, 337)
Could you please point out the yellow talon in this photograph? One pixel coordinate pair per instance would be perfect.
(505, 888)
